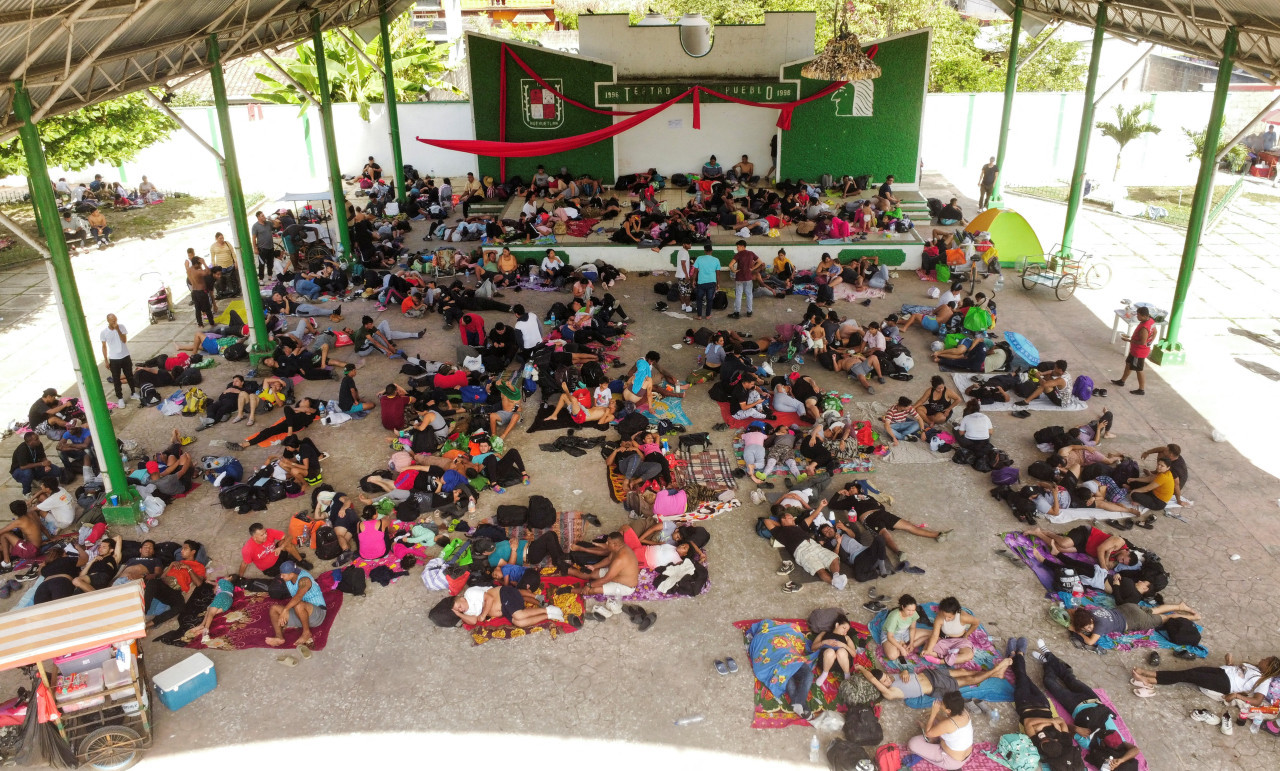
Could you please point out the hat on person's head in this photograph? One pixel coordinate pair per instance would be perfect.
(757, 425)
(288, 567)
(153, 467)
(421, 534)
(50, 392)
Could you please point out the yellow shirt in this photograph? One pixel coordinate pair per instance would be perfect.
(223, 255)
(1164, 486)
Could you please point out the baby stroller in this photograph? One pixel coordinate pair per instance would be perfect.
(159, 304)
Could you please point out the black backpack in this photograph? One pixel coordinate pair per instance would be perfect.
(692, 584)
(673, 293)
(327, 546)
(442, 613)
(1042, 471)
(679, 180)
(353, 581)
(274, 490)
(862, 727)
(559, 312)
(236, 352)
(628, 426)
(862, 181)
(190, 377)
(542, 513)
(511, 515)
(721, 300)
(844, 755)
(243, 498)
(662, 287)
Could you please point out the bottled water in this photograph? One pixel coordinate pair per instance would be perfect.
(815, 749)
(690, 720)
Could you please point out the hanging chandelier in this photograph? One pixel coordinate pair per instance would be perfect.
(843, 57)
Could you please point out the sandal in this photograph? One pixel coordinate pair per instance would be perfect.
(288, 661)
(1144, 692)
(720, 667)
(648, 621)
(304, 650)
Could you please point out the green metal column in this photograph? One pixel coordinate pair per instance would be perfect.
(67, 297)
(1010, 88)
(330, 140)
(246, 265)
(1169, 350)
(393, 116)
(1086, 129)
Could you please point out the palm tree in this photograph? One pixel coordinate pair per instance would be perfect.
(1237, 157)
(1129, 126)
(417, 64)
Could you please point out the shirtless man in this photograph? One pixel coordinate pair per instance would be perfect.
(743, 170)
(614, 576)
(201, 282)
(601, 415)
(927, 682)
(21, 538)
(1109, 550)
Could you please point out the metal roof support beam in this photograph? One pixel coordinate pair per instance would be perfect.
(89, 60)
(244, 38)
(1076, 195)
(359, 49)
(173, 116)
(1043, 44)
(289, 79)
(18, 230)
(52, 38)
(1235, 140)
(1126, 74)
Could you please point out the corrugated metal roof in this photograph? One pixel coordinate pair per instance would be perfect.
(1197, 27)
(241, 77)
(72, 53)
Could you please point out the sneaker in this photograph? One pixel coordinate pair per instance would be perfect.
(1225, 726)
(791, 587)
(135, 397)
(839, 581)
(787, 567)
(1120, 383)
(1204, 716)
(735, 315)
(1141, 392)
(757, 497)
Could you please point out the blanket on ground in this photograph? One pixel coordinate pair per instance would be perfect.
(647, 589)
(778, 419)
(861, 464)
(563, 421)
(709, 468)
(1121, 727)
(964, 379)
(663, 407)
(903, 452)
(978, 761)
(984, 653)
(503, 629)
(846, 292)
(248, 624)
(777, 648)
(1027, 548)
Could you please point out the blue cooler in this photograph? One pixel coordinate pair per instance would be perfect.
(186, 681)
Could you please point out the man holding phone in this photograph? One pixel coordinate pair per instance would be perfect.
(263, 550)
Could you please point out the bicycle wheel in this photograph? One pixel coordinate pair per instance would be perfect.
(318, 250)
(111, 748)
(1030, 275)
(1097, 276)
(1065, 288)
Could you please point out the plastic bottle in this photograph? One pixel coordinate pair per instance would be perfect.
(666, 449)
(993, 714)
(815, 749)
(1255, 725)
(690, 720)
(1077, 592)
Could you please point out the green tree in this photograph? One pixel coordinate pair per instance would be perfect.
(108, 132)
(417, 65)
(957, 62)
(1128, 126)
(1237, 157)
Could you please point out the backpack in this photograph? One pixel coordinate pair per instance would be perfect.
(1042, 471)
(1048, 434)
(191, 376)
(236, 352)
(194, 401)
(353, 581)
(862, 181)
(243, 498)
(326, 544)
(1018, 753)
(846, 756)
(442, 613)
(542, 513)
(273, 490)
(763, 531)
(1007, 475)
(1082, 389)
(662, 287)
(862, 727)
(510, 515)
(721, 300)
(889, 757)
(673, 294)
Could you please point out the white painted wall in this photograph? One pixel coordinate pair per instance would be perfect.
(273, 150)
(805, 256)
(960, 135)
(669, 142)
(749, 51)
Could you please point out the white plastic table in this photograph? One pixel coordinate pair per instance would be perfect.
(1130, 318)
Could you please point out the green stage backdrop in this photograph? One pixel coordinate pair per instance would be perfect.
(862, 129)
(533, 115)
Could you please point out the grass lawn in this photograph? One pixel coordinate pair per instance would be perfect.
(148, 222)
(1177, 200)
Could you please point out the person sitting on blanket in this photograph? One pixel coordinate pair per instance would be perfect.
(950, 641)
(837, 646)
(899, 634)
(928, 682)
(479, 604)
(1088, 625)
(616, 575)
(969, 355)
(263, 550)
(1111, 551)
(796, 541)
(641, 383)
(873, 515)
(304, 610)
(902, 422)
(947, 741)
(1055, 385)
(747, 400)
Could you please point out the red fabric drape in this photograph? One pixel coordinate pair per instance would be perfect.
(508, 51)
(697, 108)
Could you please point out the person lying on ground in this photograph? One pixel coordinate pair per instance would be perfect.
(650, 556)
(304, 610)
(221, 603)
(1111, 551)
(1249, 683)
(479, 604)
(969, 355)
(932, 321)
(1088, 625)
(100, 570)
(296, 418)
(929, 682)
(867, 561)
(873, 515)
(1048, 732)
(949, 642)
(812, 557)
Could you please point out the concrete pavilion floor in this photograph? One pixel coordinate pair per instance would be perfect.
(387, 668)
